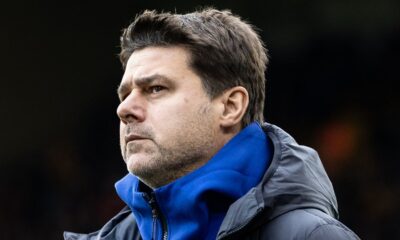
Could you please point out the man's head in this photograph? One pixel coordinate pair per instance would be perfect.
(224, 50)
(191, 83)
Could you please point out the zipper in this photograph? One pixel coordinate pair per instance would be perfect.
(156, 214)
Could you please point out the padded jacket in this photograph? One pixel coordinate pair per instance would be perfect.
(294, 200)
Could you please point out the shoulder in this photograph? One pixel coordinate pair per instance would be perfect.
(306, 224)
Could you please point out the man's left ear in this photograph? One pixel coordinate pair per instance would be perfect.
(235, 101)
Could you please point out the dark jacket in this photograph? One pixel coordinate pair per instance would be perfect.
(294, 200)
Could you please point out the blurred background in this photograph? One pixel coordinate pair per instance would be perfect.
(331, 84)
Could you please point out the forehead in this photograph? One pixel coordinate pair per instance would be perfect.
(171, 62)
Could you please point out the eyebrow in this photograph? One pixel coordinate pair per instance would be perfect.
(140, 82)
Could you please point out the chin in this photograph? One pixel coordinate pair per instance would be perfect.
(138, 164)
(132, 164)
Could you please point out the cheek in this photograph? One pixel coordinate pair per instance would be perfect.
(169, 118)
(182, 108)
(180, 119)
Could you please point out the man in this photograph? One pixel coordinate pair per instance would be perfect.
(202, 163)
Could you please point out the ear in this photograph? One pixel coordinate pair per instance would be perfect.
(235, 102)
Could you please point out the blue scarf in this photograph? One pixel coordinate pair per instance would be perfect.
(194, 205)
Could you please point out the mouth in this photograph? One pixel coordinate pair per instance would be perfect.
(133, 137)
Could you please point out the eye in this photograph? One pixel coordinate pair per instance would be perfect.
(155, 89)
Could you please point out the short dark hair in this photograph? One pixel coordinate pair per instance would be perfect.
(225, 50)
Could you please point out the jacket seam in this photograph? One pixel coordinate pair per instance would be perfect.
(277, 156)
(326, 223)
(325, 192)
(347, 232)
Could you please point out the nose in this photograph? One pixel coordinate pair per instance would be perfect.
(132, 108)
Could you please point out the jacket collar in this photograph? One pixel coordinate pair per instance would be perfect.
(295, 179)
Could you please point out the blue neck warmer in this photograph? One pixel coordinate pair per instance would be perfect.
(193, 206)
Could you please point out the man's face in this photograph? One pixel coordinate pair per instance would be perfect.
(169, 126)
